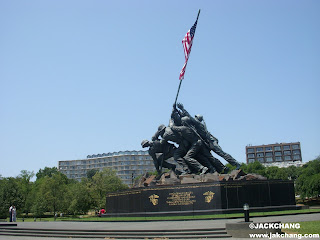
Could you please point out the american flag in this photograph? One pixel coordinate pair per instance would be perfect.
(187, 44)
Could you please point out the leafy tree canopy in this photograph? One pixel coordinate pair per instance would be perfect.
(308, 182)
(103, 182)
(91, 173)
(47, 171)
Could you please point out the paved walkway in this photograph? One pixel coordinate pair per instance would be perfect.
(192, 224)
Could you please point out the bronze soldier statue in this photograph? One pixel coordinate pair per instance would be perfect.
(199, 124)
(194, 142)
(185, 151)
(164, 149)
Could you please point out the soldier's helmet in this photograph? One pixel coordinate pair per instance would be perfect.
(161, 127)
(199, 117)
(144, 143)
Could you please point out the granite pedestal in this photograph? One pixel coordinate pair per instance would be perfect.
(201, 198)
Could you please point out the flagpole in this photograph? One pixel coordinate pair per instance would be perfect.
(198, 14)
(175, 102)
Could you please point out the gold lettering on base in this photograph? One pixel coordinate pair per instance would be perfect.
(154, 199)
(181, 199)
(208, 196)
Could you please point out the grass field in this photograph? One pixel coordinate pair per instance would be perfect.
(306, 228)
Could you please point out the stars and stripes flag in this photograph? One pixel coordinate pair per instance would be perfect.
(187, 44)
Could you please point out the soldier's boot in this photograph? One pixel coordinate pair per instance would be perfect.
(238, 166)
(204, 170)
(225, 170)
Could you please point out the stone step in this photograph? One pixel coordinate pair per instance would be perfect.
(8, 224)
(197, 236)
(117, 234)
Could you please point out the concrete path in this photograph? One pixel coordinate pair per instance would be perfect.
(191, 224)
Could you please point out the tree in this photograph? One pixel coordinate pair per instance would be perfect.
(47, 171)
(293, 172)
(10, 194)
(51, 194)
(39, 205)
(81, 199)
(276, 173)
(91, 173)
(308, 183)
(104, 182)
(271, 172)
(255, 167)
(25, 184)
(3, 206)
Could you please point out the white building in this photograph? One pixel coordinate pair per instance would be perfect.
(128, 164)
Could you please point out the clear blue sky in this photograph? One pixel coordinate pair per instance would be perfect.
(87, 77)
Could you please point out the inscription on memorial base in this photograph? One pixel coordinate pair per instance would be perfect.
(181, 199)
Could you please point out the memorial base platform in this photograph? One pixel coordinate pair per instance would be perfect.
(202, 198)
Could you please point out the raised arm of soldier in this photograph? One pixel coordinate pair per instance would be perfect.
(193, 120)
(183, 112)
(175, 118)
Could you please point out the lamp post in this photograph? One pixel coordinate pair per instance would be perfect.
(132, 179)
(246, 212)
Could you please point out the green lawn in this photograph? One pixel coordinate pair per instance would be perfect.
(306, 228)
(191, 217)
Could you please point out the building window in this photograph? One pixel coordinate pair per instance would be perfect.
(269, 154)
(277, 153)
(287, 153)
(260, 154)
(269, 159)
(295, 146)
(261, 160)
(251, 155)
(259, 149)
(268, 149)
(296, 157)
(286, 147)
(287, 158)
(295, 152)
(278, 159)
(251, 160)
(277, 148)
(250, 150)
